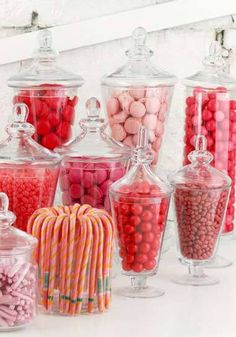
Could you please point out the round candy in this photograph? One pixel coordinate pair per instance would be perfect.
(137, 93)
(76, 191)
(113, 106)
(137, 109)
(132, 125)
(118, 132)
(150, 121)
(153, 105)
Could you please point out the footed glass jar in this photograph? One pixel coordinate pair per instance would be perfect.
(51, 94)
(201, 195)
(28, 171)
(138, 94)
(140, 202)
(18, 273)
(92, 162)
(211, 111)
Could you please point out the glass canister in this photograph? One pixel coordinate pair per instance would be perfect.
(211, 111)
(51, 94)
(140, 202)
(92, 162)
(138, 94)
(201, 195)
(28, 171)
(18, 273)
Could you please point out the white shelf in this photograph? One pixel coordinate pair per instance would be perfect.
(182, 312)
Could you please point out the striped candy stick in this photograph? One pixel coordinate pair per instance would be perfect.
(66, 292)
(80, 242)
(84, 266)
(66, 210)
(93, 265)
(33, 218)
(63, 260)
(74, 208)
(54, 259)
(84, 209)
(100, 293)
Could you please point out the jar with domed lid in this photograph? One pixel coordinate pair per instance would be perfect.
(50, 92)
(28, 171)
(91, 162)
(138, 94)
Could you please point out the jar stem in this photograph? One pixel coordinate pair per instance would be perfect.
(138, 282)
(196, 271)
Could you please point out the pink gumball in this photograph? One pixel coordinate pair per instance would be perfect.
(150, 121)
(153, 105)
(118, 132)
(132, 125)
(137, 109)
(113, 106)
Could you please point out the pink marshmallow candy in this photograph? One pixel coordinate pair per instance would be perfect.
(132, 125)
(137, 109)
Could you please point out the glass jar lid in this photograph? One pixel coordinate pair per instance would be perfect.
(19, 148)
(139, 70)
(93, 143)
(213, 74)
(13, 241)
(140, 178)
(200, 174)
(44, 69)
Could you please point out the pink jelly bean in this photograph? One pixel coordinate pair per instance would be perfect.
(153, 105)
(87, 179)
(137, 109)
(76, 191)
(150, 122)
(132, 125)
(118, 132)
(75, 175)
(113, 106)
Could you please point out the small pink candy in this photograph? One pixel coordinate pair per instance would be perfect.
(135, 140)
(75, 175)
(105, 186)
(113, 106)
(76, 191)
(87, 179)
(219, 116)
(137, 93)
(128, 141)
(88, 199)
(153, 105)
(119, 117)
(125, 100)
(157, 144)
(132, 125)
(100, 176)
(118, 132)
(116, 174)
(95, 192)
(150, 121)
(137, 109)
(159, 128)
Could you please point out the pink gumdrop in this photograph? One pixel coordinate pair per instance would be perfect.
(76, 191)
(125, 100)
(132, 125)
(116, 173)
(113, 106)
(66, 198)
(150, 122)
(137, 93)
(120, 117)
(137, 109)
(64, 182)
(153, 105)
(219, 116)
(118, 132)
(157, 144)
(105, 186)
(87, 179)
(100, 176)
(95, 192)
(128, 141)
(159, 128)
(75, 175)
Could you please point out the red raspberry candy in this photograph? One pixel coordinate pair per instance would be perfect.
(51, 141)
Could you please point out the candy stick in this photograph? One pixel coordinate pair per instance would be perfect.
(80, 246)
(63, 259)
(83, 210)
(33, 218)
(53, 259)
(70, 259)
(66, 210)
(94, 258)
(84, 265)
(100, 297)
(36, 232)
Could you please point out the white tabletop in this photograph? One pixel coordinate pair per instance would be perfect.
(184, 311)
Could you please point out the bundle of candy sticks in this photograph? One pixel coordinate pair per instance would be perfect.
(74, 255)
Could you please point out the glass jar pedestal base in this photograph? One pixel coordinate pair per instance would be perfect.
(139, 289)
(219, 262)
(195, 277)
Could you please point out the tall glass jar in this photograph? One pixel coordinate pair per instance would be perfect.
(140, 203)
(201, 195)
(138, 94)
(51, 94)
(92, 162)
(18, 273)
(211, 111)
(28, 171)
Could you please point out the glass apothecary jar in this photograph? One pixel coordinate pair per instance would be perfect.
(211, 111)
(201, 195)
(28, 171)
(18, 273)
(92, 162)
(140, 202)
(51, 94)
(138, 94)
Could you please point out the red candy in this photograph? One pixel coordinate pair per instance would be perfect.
(213, 114)
(52, 113)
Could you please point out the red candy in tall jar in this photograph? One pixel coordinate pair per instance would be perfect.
(211, 111)
(28, 172)
(138, 94)
(140, 202)
(50, 94)
(92, 162)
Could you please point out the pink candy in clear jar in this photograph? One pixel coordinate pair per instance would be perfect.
(18, 273)
(136, 95)
(92, 162)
